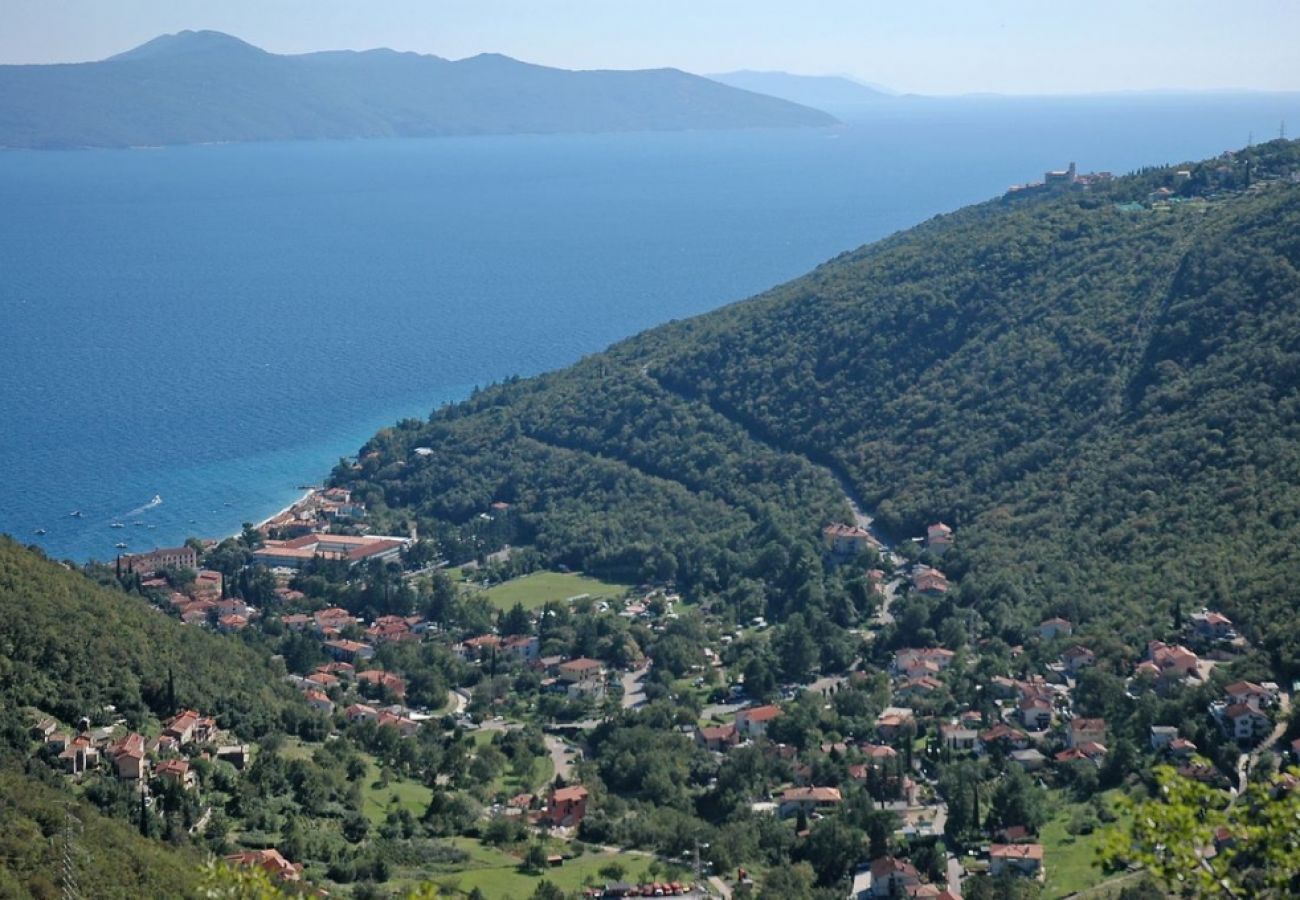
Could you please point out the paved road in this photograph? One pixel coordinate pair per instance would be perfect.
(723, 889)
(883, 615)
(722, 710)
(562, 756)
(459, 700)
(634, 687)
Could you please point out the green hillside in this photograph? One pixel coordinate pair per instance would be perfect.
(71, 648)
(1099, 391)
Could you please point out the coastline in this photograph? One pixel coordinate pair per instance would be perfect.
(307, 495)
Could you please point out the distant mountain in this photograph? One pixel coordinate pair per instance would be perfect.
(204, 86)
(830, 92)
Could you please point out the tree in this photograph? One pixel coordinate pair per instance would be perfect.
(833, 848)
(535, 858)
(788, 883)
(1018, 801)
(1169, 835)
(516, 620)
(355, 827)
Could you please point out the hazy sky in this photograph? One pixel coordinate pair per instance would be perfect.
(928, 46)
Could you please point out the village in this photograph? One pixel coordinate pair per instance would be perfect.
(953, 747)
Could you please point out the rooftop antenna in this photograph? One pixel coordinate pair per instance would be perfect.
(1250, 139)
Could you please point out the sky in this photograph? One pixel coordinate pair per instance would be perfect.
(921, 46)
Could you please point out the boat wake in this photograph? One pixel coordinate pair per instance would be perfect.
(155, 502)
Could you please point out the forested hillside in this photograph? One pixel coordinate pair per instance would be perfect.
(72, 648)
(1096, 386)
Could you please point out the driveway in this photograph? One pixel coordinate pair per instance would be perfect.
(634, 687)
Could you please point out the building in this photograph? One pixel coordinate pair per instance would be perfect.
(1253, 695)
(352, 549)
(567, 806)
(1016, 859)
(916, 662)
(1050, 629)
(846, 541)
(892, 721)
(1212, 626)
(1172, 660)
(1245, 723)
(383, 681)
(1086, 731)
(176, 772)
(319, 701)
(958, 737)
(938, 538)
(753, 722)
(348, 651)
(270, 861)
(1035, 713)
(891, 877)
(127, 756)
(1162, 736)
(717, 738)
(166, 558)
(1078, 658)
(1061, 177)
(930, 582)
(360, 712)
(583, 669)
(808, 800)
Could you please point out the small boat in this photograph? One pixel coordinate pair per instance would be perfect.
(121, 545)
(41, 531)
(75, 514)
(118, 525)
(138, 524)
(157, 498)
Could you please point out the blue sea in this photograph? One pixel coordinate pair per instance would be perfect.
(217, 325)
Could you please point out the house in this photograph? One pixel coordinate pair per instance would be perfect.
(319, 701)
(930, 582)
(938, 538)
(232, 623)
(958, 737)
(891, 722)
(753, 722)
(911, 660)
(360, 712)
(581, 669)
(383, 681)
(719, 738)
(1212, 626)
(808, 800)
(479, 647)
(890, 877)
(270, 861)
(1035, 713)
(1162, 736)
(127, 756)
(1031, 760)
(348, 651)
(1078, 658)
(144, 564)
(1083, 731)
(921, 686)
(1253, 695)
(188, 727)
(405, 727)
(1245, 723)
(1004, 736)
(1016, 859)
(323, 680)
(1051, 629)
(42, 730)
(878, 753)
(334, 617)
(1173, 660)
(1181, 748)
(845, 542)
(567, 806)
(525, 647)
(176, 772)
(295, 621)
(79, 755)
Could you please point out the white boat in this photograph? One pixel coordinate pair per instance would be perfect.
(41, 531)
(118, 525)
(76, 514)
(121, 545)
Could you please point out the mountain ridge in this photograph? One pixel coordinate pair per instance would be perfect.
(204, 87)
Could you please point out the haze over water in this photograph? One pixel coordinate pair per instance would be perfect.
(218, 325)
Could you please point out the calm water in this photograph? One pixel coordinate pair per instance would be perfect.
(217, 325)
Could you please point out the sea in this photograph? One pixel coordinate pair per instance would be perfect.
(189, 335)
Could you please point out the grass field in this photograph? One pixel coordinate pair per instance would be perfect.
(497, 874)
(540, 588)
(399, 793)
(1069, 858)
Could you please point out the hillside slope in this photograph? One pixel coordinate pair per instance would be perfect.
(197, 87)
(71, 647)
(1100, 395)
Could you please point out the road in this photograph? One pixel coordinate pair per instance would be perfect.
(721, 710)
(459, 699)
(889, 593)
(562, 756)
(723, 889)
(634, 687)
